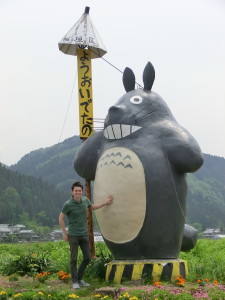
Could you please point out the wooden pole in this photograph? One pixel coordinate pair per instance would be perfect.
(86, 119)
(90, 219)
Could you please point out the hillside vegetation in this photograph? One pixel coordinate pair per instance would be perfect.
(206, 193)
(25, 199)
(206, 187)
(53, 164)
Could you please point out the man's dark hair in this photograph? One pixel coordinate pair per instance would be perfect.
(75, 184)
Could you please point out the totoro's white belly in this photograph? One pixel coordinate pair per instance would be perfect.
(121, 174)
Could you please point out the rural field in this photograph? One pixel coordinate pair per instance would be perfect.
(41, 271)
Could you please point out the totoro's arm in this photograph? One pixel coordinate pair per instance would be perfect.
(181, 148)
(86, 158)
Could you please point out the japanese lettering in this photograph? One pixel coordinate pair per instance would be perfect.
(85, 92)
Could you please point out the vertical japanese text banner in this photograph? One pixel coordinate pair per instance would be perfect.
(85, 92)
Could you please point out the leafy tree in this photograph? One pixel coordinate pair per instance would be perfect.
(42, 217)
(197, 226)
(24, 218)
(28, 200)
(42, 231)
(12, 204)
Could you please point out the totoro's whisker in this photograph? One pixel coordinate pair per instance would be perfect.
(152, 116)
(146, 115)
(99, 120)
(98, 128)
(149, 114)
(136, 113)
(144, 108)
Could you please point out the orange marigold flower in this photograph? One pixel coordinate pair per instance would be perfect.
(157, 283)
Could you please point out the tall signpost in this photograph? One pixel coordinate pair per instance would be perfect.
(83, 41)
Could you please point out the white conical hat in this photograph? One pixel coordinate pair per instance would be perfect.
(83, 33)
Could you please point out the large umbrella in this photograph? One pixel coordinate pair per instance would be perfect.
(83, 33)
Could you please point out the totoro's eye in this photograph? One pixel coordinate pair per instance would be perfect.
(136, 100)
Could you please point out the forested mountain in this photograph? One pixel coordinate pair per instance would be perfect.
(206, 202)
(206, 187)
(26, 199)
(213, 167)
(53, 164)
(206, 193)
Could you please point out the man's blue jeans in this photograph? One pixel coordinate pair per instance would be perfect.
(75, 242)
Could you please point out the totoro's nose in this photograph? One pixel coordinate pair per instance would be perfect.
(117, 109)
(118, 114)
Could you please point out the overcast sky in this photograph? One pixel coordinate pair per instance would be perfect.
(184, 40)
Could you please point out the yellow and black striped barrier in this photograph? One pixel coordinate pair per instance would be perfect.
(152, 270)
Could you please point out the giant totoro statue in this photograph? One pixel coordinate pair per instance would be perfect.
(141, 158)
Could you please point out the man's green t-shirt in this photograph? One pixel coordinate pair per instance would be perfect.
(76, 213)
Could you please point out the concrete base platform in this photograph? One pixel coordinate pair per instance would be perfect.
(151, 270)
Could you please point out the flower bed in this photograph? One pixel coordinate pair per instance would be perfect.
(26, 288)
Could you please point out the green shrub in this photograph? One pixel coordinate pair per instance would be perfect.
(13, 277)
(27, 264)
(97, 267)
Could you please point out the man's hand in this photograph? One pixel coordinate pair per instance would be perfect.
(63, 227)
(110, 200)
(65, 237)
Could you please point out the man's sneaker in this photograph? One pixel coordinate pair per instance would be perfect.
(83, 283)
(76, 285)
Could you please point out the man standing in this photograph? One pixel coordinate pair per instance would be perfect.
(76, 211)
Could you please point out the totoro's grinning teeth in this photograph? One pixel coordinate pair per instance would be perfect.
(118, 131)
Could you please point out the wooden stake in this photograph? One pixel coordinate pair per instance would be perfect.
(90, 219)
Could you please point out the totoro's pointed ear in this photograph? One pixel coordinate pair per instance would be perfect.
(128, 79)
(148, 76)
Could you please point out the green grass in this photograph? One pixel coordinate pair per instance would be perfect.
(206, 263)
(207, 260)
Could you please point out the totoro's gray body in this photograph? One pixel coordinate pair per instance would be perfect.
(141, 158)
